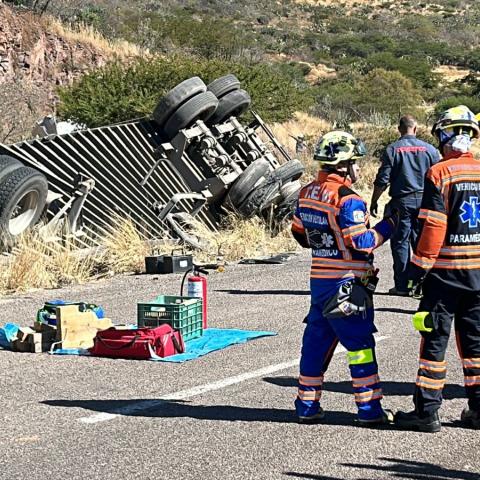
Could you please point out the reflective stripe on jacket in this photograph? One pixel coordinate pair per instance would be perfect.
(333, 221)
(449, 242)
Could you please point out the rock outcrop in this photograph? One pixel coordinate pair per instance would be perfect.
(32, 51)
(36, 56)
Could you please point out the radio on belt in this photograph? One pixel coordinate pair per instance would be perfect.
(168, 263)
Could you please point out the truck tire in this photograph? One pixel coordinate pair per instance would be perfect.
(260, 199)
(247, 181)
(8, 164)
(23, 195)
(223, 85)
(286, 207)
(289, 172)
(176, 97)
(233, 104)
(200, 107)
(289, 188)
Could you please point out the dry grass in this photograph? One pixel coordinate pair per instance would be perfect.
(318, 72)
(450, 73)
(37, 264)
(125, 250)
(374, 136)
(312, 127)
(243, 238)
(87, 35)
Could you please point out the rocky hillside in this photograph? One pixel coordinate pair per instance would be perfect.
(32, 48)
(37, 54)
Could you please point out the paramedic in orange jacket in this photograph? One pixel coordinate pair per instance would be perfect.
(447, 260)
(333, 221)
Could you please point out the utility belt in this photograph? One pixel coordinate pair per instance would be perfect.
(353, 297)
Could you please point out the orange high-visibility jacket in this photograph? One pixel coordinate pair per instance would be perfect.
(333, 221)
(449, 242)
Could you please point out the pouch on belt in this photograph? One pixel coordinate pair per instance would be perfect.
(352, 298)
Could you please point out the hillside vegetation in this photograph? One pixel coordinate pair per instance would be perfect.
(344, 61)
(309, 65)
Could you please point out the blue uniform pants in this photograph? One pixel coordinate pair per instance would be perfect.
(320, 338)
(404, 236)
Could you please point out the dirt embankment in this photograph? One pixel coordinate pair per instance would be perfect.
(31, 49)
(36, 56)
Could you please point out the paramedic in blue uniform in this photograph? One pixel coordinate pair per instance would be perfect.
(404, 165)
(332, 220)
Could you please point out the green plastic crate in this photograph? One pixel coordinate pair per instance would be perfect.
(181, 313)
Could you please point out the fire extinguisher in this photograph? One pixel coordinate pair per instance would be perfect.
(197, 287)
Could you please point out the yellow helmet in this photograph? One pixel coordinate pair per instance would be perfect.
(337, 146)
(456, 121)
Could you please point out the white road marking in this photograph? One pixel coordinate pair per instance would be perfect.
(193, 392)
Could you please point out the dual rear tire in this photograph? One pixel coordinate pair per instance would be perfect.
(192, 100)
(23, 196)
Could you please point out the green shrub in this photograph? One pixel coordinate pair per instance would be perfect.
(473, 103)
(118, 92)
(388, 92)
(418, 70)
(379, 91)
(472, 59)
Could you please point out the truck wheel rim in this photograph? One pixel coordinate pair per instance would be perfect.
(23, 213)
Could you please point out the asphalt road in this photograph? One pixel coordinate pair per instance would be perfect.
(92, 418)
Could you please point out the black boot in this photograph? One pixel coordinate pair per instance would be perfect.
(385, 419)
(313, 419)
(413, 421)
(470, 418)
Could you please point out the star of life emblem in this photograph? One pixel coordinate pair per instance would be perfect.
(327, 240)
(320, 239)
(470, 212)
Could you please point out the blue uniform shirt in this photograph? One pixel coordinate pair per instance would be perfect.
(404, 165)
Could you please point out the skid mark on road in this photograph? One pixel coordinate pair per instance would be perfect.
(192, 392)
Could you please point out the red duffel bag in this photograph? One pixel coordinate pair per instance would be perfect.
(141, 344)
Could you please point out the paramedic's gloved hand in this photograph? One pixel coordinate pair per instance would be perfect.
(374, 209)
(416, 276)
(393, 218)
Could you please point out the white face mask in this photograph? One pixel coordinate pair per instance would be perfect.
(460, 143)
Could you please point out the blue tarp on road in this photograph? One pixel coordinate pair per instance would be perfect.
(7, 334)
(213, 339)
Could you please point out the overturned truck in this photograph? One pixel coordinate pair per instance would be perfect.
(194, 160)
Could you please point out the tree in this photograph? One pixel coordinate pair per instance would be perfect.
(388, 92)
(472, 102)
(361, 96)
(121, 92)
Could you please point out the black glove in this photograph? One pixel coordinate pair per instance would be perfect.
(374, 209)
(393, 218)
(416, 276)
